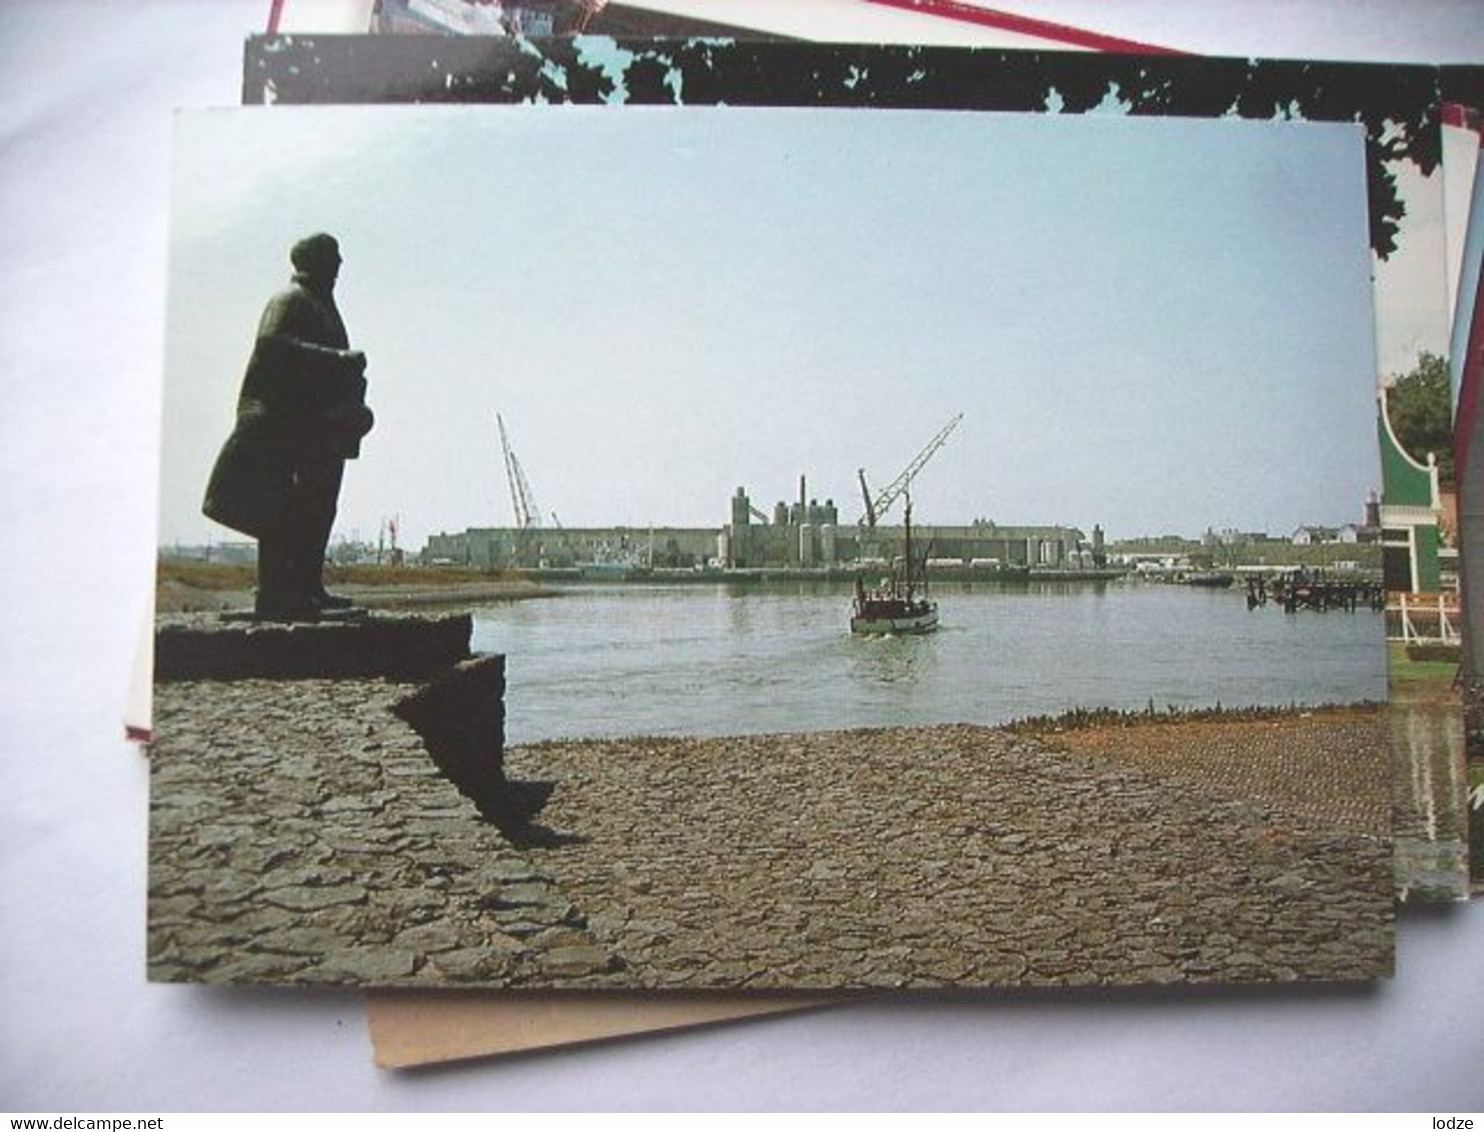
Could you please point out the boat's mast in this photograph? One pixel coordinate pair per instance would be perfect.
(907, 565)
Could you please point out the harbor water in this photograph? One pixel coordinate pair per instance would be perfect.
(609, 660)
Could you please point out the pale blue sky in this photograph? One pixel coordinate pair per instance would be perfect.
(1152, 324)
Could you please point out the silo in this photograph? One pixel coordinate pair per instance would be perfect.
(827, 544)
(739, 550)
(741, 509)
(806, 545)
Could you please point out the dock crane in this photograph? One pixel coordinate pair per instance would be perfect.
(878, 507)
(527, 514)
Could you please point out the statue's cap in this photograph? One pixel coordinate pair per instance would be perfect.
(314, 251)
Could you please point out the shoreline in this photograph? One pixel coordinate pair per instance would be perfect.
(200, 587)
(951, 855)
(176, 597)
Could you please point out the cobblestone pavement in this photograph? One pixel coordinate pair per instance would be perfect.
(300, 833)
(1329, 766)
(949, 855)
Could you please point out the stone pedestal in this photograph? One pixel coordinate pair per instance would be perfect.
(461, 718)
(397, 647)
(458, 709)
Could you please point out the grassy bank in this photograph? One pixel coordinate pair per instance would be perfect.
(197, 587)
(220, 576)
(216, 577)
(1086, 719)
(1418, 681)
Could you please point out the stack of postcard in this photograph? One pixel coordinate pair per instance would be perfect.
(804, 519)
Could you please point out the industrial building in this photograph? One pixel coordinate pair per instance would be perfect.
(804, 534)
(809, 534)
(798, 535)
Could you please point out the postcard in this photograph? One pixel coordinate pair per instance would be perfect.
(871, 21)
(1430, 773)
(747, 356)
(1465, 217)
(1400, 106)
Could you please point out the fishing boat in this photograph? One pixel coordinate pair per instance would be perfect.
(896, 606)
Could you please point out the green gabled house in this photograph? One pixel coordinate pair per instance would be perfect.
(1411, 506)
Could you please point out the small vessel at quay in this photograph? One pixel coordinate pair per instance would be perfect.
(897, 605)
(1210, 579)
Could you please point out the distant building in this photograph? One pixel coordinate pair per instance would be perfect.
(500, 548)
(1373, 510)
(805, 534)
(1314, 536)
(1230, 536)
(1357, 533)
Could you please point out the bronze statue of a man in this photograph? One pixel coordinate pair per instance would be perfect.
(300, 415)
